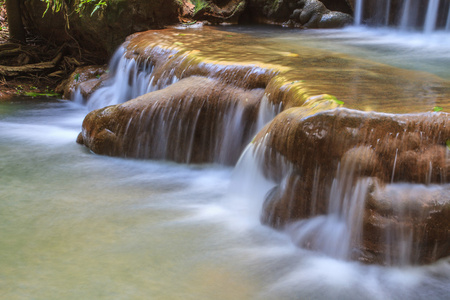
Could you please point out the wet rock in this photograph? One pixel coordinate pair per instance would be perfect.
(332, 150)
(334, 19)
(188, 122)
(407, 223)
(220, 11)
(87, 79)
(303, 13)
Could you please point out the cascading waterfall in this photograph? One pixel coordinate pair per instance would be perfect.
(199, 112)
(129, 79)
(171, 127)
(447, 23)
(431, 16)
(405, 15)
(358, 12)
(409, 15)
(387, 12)
(336, 233)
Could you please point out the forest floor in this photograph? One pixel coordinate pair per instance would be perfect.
(34, 68)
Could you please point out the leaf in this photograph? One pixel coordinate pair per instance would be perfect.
(334, 99)
(448, 145)
(77, 77)
(437, 109)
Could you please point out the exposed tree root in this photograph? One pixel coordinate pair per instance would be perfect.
(9, 71)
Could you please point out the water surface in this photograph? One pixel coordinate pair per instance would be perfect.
(75, 225)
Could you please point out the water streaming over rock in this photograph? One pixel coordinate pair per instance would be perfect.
(128, 79)
(349, 201)
(188, 112)
(318, 170)
(426, 16)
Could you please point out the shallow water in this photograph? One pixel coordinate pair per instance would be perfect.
(75, 225)
(404, 49)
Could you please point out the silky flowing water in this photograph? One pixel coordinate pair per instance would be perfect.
(75, 225)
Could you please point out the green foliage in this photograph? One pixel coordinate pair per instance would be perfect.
(199, 5)
(46, 94)
(54, 5)
(98, 4)
(448, 145)
(437, 108)
(76, 77)
(19, 89)
(61, 5)
(334, 99)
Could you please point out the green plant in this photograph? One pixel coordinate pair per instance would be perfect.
(46, 94)
(448, 144)
(77, 77)
(199, 5)
(98, 4)
(19, 90)
(61, 5)
(437, 108)
(334, 99)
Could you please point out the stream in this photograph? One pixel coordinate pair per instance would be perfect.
(75, 225)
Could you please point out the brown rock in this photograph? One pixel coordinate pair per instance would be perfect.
(87, 79)
(185, 122)
(347, 145)
(407, 223)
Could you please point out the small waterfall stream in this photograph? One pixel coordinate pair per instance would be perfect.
(82, 226)
(170, 130)
(426, 16)
(195, 112)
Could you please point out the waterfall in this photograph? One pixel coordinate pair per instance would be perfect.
(410, 15)
(447, 24)
(209, 114)
(128, 79)
(358, 12)
(337, 233)
(387, 12)
(405, 15)
(431, 16)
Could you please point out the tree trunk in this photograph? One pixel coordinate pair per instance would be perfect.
(16, 29)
